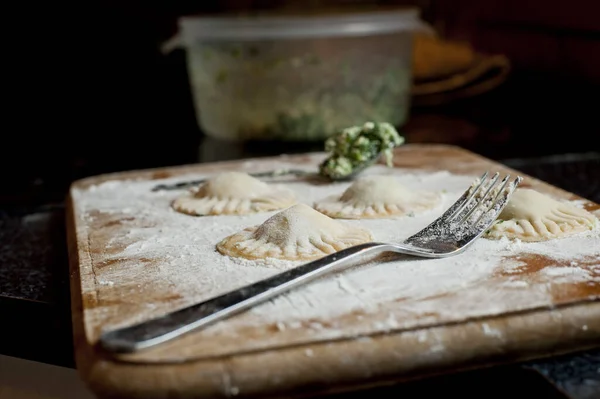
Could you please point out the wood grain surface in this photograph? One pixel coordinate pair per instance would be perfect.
(254, 359)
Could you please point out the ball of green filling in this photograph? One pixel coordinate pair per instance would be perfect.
(357, 146)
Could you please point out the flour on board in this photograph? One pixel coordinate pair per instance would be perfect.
(406, 289)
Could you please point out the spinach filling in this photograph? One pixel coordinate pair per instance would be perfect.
(356, 147)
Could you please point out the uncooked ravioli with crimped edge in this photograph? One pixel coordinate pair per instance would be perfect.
(296, 233)
(234, 193)
(532, 216)
(378, 196)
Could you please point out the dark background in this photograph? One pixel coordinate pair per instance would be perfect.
(90, 90)
(87, 91)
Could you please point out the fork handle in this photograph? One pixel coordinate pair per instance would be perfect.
(174, 324)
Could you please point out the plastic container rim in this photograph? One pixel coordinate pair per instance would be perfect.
(193, 28)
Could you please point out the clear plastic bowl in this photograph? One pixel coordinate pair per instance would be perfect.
(299, 77)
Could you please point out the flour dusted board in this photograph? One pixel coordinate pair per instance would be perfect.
(132, 258)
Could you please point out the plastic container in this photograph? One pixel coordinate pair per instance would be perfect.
(299, 77)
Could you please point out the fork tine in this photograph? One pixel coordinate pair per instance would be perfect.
(472, 201)
(484, 199)
(454, 209)
(500, 201)
(461, 202)
(459, 232)
(468, 230)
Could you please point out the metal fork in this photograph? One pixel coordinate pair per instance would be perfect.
(450, 234)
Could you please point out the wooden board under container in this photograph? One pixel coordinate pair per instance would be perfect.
(265, 360)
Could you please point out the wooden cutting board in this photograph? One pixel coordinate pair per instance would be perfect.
(521, 305)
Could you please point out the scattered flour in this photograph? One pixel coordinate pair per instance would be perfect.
(409, 288)
(515, 284)
(492, 332)
(568, 274)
